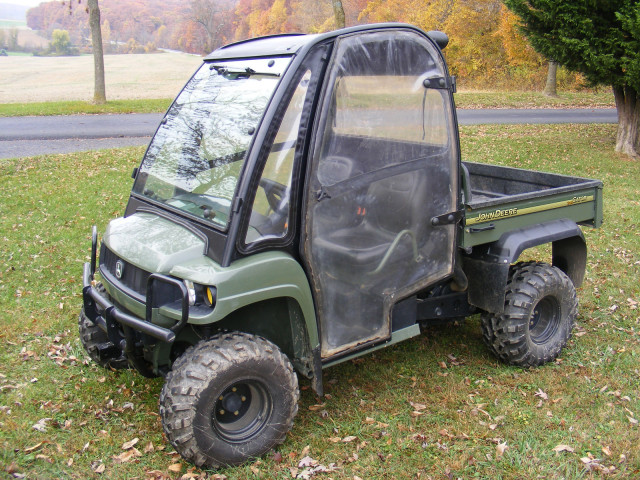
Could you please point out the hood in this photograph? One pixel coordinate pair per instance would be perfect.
(152, 243)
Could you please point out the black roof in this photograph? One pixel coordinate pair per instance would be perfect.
(290, 43)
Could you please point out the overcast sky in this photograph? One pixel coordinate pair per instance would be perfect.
(26, 3)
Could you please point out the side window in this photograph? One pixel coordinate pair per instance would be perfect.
(270, 210)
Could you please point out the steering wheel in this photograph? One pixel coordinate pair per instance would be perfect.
(274, 192)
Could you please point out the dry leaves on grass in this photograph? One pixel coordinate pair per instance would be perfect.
(310, 467)
(98, 466)
(41, 425)
(541, 394)
(563, 448)
(127, 456)
(130, 444)
(593, 464)
(500, 449)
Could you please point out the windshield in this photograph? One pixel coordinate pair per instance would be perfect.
(195, 158)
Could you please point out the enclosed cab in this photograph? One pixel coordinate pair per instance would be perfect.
(303, 202)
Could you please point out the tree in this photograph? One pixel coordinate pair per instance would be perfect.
(599, 39)
(99, 93)
(338, 12)
(209, 15)
(550, 89)
(60, 42)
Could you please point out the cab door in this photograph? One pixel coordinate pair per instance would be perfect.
(383, 165)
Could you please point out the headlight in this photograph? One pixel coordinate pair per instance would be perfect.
(200, 294)
(210, 296)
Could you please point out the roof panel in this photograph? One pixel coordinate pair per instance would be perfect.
(262, 47)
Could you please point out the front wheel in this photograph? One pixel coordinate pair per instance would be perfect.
(540, 309)
(228, 399)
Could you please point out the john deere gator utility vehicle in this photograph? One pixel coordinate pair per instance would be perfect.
(303, 202)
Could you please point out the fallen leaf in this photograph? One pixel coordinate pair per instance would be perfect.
(32, 449)
(541, 394)
(500, 449)
(41, 425)
(563, 448)
(175, 467)
(98, 467)
(319, 406)
(307, 462)
(149, 448)
(606, 451)
(348, 439)
(130, 444)
(418, 406)
(369, 421)
(632, 420)
(190, 476)
(127, 455)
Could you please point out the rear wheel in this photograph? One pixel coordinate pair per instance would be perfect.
(540, 309)
(229, 399)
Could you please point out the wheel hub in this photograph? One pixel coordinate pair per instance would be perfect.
(233, 403)
(544, 320)
(241, 410)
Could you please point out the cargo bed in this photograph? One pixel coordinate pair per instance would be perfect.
(500, 199)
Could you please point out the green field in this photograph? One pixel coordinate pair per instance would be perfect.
(12, 23)
(438, 406)
(78, 107)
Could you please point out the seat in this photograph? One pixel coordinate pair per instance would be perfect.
(390, 220)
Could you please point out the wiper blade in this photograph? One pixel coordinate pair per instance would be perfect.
(224, 70)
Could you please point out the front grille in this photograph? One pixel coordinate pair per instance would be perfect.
(132, 278)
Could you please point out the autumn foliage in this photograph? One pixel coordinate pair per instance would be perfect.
(486, 48)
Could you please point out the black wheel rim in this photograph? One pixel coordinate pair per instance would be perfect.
(544, 320)
(241, 411)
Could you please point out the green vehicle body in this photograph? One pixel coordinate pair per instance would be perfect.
(268, 292)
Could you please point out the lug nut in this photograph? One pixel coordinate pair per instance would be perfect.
(221, 412)
(236, 412)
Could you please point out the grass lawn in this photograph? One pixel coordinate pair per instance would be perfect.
(464, 99)
(603, 98)
(438, 406)
(73, 107)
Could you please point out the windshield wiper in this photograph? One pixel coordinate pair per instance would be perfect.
(244, 72)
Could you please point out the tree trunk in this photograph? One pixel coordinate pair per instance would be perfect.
(550, 89)
(628, 105)
(338, 12)
(99, 95)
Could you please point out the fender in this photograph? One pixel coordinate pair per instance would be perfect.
(487, 267)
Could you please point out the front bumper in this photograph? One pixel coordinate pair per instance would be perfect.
(121, 326)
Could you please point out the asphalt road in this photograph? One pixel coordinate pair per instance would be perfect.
(30, 136)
